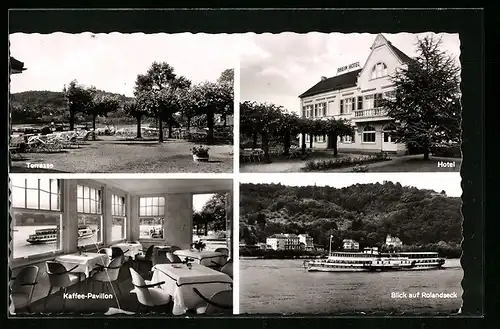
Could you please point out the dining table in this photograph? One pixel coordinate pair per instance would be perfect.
(180, 279)
(129, 249)
(85, 261)
(207, 258)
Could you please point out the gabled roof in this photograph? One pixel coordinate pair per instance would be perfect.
(338, 82)
(402, 56)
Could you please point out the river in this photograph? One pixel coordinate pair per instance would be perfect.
(284, 286)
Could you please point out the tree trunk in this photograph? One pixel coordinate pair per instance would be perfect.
(311, 137)
(334, 144)
(206, 228)
(210, 126)
(225, 121)
(71, 120)
(254, 140)
(170, 127)
(188, 126)
(286, 144)
(303, 146)
(139, 127)
(93, 126)
(426, 154)
(265, 146)
(160, 129)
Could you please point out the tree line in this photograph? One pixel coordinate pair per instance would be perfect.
(212, 216)
(366, 213)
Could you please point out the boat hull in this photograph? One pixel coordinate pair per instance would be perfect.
(48, 241)
(335, 269)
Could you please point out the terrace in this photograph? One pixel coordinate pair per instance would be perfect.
(119, 246)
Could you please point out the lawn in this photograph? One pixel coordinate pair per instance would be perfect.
(109, 155)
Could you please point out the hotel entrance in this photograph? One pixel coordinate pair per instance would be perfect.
(388, 144)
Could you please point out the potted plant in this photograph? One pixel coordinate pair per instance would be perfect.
(198, 245)
(81, 250)
(200, 153)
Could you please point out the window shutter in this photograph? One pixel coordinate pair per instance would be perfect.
(360, 102)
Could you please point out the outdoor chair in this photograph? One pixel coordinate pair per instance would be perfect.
(108, 274)
(258, 154)
(220, 303)
(148, 294)
(59, 277)
(247, 155)
(22, 287)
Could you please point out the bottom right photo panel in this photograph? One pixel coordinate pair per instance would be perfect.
(360, 243)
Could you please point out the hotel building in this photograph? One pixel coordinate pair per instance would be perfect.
(355, 96)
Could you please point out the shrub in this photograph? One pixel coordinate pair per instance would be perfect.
(447, 151)
(200, 151)
(345, 162)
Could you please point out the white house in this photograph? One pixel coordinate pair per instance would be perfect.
(349, 244)
(355, 96)
(307, 240)
(283, 242)
(393, 241)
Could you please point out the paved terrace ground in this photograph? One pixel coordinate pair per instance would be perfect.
(109, 155)
(407, 163)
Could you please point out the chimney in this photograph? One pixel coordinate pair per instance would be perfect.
(323, 78)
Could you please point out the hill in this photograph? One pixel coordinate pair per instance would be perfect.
(422, 219)
(30, 107)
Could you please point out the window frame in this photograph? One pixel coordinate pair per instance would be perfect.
(146, 215)
(39, 190)
(124, 216)
(369, 132)
(21, 261)
(101, 214)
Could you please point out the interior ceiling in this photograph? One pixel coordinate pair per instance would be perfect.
(156, 185)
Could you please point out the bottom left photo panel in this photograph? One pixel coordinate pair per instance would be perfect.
(120, 246)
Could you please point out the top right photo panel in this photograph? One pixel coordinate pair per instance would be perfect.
(350, 102)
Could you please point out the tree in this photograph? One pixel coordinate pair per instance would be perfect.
(335, 128)
(135, 110)
(226, 81)
(156, 91)
(426, 104)
(78, 98)
(101, 105)
(211, 98)
(215, 211)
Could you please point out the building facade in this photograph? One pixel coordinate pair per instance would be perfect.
(349, 244)
(393, 241)
(307, 240)
(284, 242)
(355, 96)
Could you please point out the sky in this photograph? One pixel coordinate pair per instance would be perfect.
(199, 200)
(449, 182)
(277, 68)
(112, 61)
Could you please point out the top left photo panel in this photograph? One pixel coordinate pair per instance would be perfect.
(121, 103)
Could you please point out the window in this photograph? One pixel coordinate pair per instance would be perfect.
(308, 111)
(369, 101)
(151, 227)
(151, 212)
(369, 134)
(388, 129)
(331, 107)
(316, 110)
(347, 139)
(118, 211)
(304, 111)
(378, 100)
(39, 194)
(360, 102)
(36, 216)
(379, 71)
(390, 94)
(347, 105)
(319, 139)
(89, 208)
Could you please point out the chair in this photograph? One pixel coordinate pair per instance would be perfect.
(220, 303)
(109, 273)
(228, 268)
(173, 258)
(59, 277)
(117, 252)
(224, 251)
(106, 251)
(160, 258)
(174, 248)
(22, 287)
(146, 258)
(148, 294)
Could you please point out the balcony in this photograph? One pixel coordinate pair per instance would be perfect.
(373, 114)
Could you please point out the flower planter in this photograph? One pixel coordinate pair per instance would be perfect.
(200, 158)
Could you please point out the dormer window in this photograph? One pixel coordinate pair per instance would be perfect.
(379, 70)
